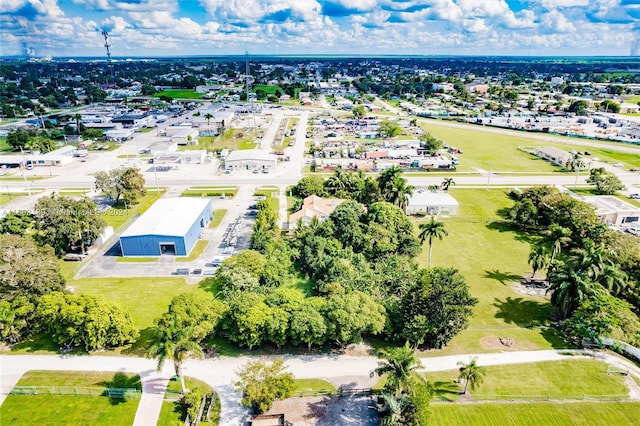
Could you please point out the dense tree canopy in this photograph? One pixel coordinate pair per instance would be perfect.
(26, 269)
(262, 382)
(66, 224)
(126, 184)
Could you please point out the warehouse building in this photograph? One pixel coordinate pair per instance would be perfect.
(171, 226)
(250, 159)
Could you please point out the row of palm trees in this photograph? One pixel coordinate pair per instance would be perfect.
(577, 275)
(400, 368)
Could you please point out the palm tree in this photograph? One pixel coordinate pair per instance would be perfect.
(208, 116)
(432, 188)
(176, 347)
(575, 163)
(569, 289)
(394, 409)
(538, 258)
(446, 183)
(614, 279)
(471, 373)
(78, 117)
(556, 237)
(590, 258)
(430, 230)
(386, 177)
(399, 365)
(398, 192)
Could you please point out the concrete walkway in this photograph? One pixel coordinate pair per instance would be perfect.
(220, 373)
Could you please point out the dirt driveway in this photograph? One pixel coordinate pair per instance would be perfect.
(325, 411)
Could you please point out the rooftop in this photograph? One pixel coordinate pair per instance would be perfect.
(168, 216)
(250, 155)
(422, 197)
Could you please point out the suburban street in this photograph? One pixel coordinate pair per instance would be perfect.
(220, 373)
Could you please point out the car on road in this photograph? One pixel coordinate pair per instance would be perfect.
(634, 196)
(634, 169)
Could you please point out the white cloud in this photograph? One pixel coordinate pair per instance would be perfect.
(556, 22)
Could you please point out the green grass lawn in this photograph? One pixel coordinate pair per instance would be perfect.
(197, 250)
(491, 256)
(70, 409)
(500, 152)
(4, 146)
(210, 191)
(5, 198)
(117, 216)
(535, 414)
(170, 413)
(233, 139)
(308, 385)
(218, 215)
(179, 94)
(567, 379)
(269, 90)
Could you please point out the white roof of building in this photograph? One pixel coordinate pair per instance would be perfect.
(608, 204)
(250, 155)
(168, 216)
(428, 198)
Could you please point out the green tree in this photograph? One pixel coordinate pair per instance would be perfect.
(436, 309)
(430, 230)
(538, 258)
(121, 183)
(208, 117)
(26, 269)
(358, 111)
(574, 163)
(262, 382)
(555, 238)
(386, 178)
(569, 289)
(471, 373)
(524, 214)
(190, 318)
(308, 325)
(399, 366)
(351, 315)
(16, 222)
(430, 142)
(446, 183)
(65, 223)
(389, 129)
(578, 107)
(85, 321)
(399, 192)
(310, 185)
(606, 183)
(247, 319)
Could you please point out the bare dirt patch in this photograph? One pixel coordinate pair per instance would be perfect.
(505, 343)
(325, 411)
(527, 287)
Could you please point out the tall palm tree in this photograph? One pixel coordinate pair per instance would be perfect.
(176, 347)
(399, 365)
(569, 289)
(430, 230)
(471, 373)
(386, 177)
(398, 192)
(538, 258)
(446, 183)
(556, 237)
(78, 117)
(590, 258)
(208, 116)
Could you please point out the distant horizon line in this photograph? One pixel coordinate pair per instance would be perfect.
(317, 55)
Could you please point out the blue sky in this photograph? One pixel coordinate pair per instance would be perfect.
(359, 27)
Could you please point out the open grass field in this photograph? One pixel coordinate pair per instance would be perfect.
(536, 414)
(179, 94)
(491, 256)
(170, 413)
(5, 198)
(567, 379)
(500, 152)
(233, 139)
(4, 146)
(269, 90)
(306, 385)
(70, 409)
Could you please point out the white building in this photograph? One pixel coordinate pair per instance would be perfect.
(432, 203)
(250, 159)
(614, 211)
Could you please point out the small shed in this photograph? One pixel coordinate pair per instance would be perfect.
(432, 203)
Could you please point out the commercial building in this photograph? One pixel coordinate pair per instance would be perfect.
(250, 159)
(432, 203)
(614, 211)
(59, 157)
(171, 226)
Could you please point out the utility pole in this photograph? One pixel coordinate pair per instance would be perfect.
(489, 176)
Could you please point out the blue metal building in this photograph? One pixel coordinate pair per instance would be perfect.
(171, 226)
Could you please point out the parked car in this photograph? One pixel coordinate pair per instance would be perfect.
(634, 169)
(634, 196)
